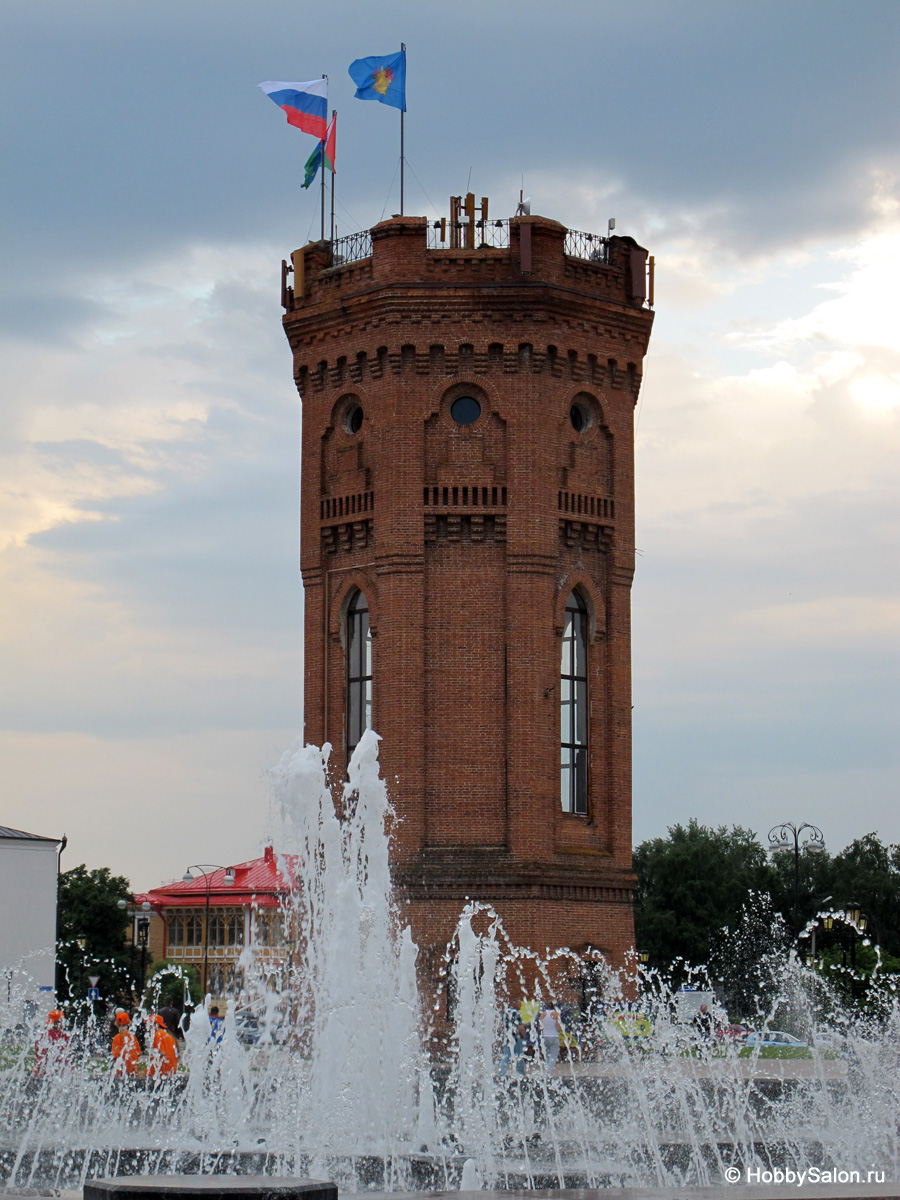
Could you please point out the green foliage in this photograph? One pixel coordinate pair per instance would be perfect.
(88, 907)
(166, 985)
(692, 884)
(777, 1052)
(868, 872)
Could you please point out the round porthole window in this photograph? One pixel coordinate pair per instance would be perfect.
(579, 417)
(465, 410)
(353, 418)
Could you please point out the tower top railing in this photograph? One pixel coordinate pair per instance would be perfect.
(352, 248)
(484, 235)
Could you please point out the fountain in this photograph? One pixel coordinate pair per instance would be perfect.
(360, 1097)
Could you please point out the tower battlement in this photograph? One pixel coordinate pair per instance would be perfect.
(467, 550)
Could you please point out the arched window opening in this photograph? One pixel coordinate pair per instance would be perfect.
(574, 708)
(359, 671)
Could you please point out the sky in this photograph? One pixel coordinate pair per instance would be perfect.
(150, 601)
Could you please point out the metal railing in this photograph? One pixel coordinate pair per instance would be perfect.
(352, 248)
(463, 235)
(588, 246)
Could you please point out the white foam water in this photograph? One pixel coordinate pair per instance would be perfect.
(358, 1093)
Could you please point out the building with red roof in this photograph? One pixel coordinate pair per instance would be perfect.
(210, 917)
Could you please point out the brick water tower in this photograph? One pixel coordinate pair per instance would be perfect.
(467, 551)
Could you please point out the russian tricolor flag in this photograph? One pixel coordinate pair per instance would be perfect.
(304, 104)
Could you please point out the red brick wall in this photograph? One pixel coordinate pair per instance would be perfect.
(467, 542)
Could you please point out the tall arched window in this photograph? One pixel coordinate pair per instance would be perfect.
(574, 708)
(359, 671)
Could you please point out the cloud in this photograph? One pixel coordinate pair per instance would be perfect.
(150, 610)
(149, 509)
(826, 620)
(145, 806)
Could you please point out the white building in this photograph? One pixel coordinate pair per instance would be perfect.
(28, 878)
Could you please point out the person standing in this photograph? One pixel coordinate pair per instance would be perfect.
(125, 1048)
(51, 1049)
(514, 1034)
(172, 1018)
(163, 1059)
(703, 1023)
(216, 1027)
(549, 1026)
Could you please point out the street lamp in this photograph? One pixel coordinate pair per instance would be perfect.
(790, 837)
(140, 935)
(81, 943)
(207, 870)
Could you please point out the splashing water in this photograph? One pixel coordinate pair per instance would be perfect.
(359, 1094)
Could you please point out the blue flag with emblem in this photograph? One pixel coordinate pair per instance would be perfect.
(381, 77)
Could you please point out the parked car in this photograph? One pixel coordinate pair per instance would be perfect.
(734, 1033)
(828, 1039)
(247, 1026)
(774, 1037)
(253, 1030)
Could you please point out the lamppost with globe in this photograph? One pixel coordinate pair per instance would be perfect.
(207, 870)
(786, 837)
(140, 935)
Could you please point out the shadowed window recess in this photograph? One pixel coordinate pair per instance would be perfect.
(359, 671)
(573, 707)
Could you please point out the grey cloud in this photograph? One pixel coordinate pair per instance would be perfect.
(771, 114)
(43, 315)
(83, 452)
(221, 551)
(114, 699)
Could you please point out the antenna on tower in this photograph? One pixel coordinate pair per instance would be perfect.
(524, 207)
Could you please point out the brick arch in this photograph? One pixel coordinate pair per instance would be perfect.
(595, 604)
(355, 392)
(586, 389)
(448, 382)
(353, 581)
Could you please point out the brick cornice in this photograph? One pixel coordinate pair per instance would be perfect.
(490, 877)
(440, 305)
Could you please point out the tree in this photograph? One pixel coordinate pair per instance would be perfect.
(868, 872)
(166, 985)
(88, 907)
(744, 958)
(690, 885)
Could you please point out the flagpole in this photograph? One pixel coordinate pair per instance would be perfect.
(322, 169)
(402, 116)
(334, 118)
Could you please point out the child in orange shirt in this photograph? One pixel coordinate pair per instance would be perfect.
(163, 1052)
(126, 1049)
